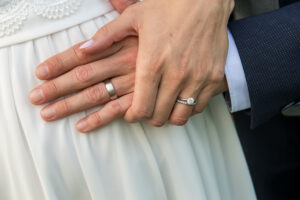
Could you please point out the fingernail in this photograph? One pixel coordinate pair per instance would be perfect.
(42, 71)
(36, 96)
(82, 125)
(48, 113)
(86, 44)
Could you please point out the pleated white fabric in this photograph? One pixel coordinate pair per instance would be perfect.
(202, 160)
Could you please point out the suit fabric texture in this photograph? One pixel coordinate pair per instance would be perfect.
(267, 35)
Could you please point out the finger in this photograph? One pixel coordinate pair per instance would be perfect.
(145, 91)
(121, 5)
(203, 99)
(168, 91)
(116, 30)
(88, 98)
(76, 79)
(67, 60)
(207, 93)
(149, 70)
(110, 112)
(182, 112)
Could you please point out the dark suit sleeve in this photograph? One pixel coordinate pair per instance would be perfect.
(269, 47)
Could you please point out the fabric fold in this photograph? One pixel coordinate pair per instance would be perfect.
(53, 161)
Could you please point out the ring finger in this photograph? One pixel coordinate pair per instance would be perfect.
(88, 98)
(181, 112)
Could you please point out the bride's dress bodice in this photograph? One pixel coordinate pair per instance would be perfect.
(14, 12)
(23, 20)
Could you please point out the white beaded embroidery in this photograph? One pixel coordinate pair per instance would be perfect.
(13, 13)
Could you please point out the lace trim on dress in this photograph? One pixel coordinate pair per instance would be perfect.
(13, 13)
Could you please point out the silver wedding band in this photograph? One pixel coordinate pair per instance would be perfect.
(186, 101)
(110, 89)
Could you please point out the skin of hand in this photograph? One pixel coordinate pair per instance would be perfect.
(71, 71)
(121, 5)
(77, 56)
(182, 52)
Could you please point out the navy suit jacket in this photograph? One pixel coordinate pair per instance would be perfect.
(269, 47)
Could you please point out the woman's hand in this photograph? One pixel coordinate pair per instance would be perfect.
(71, 71)
(76, 60)
(182, 52)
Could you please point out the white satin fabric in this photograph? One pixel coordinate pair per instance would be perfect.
(202, 160)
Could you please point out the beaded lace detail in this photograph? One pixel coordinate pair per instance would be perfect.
(13, 13)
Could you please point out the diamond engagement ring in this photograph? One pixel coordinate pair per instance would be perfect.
(187, 101)
(110, 90)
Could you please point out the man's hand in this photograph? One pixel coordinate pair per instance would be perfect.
(71, 71)
(182, 52)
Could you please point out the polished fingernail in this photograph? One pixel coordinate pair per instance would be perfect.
(48, 113)
(42, 71)
(82, 125)
(86, 44)
(36, 96)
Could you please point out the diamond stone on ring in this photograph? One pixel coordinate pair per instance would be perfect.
(110, 89)
(187, 101)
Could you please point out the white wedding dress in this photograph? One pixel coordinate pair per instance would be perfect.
(202, 160)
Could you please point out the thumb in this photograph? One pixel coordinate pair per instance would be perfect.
(121, 5)
(115, 31)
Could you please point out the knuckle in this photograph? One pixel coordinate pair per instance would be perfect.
(65, 106)
(50, 88)
(54, 63)
(129, 58)
(216, 77)
(180, 73)
(154, 64)
(199, 77)
(84, 73)
(96, 119)
(116, 108)
(141, 113)
(179, 121)
(105, 30)
(178, 76)
(131, 55)
(183, 64)
(78, 54)
(131, 68)
(94, 94)
(155, 68)
(156, 122)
